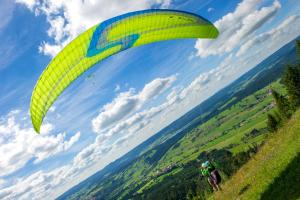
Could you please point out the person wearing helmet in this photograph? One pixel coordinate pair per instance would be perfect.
(212, 174)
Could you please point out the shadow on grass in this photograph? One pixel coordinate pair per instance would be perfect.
(244, 189)
(286, 186)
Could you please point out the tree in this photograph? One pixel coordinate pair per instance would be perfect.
(283, 105)
(276, 115)
(291, 80)
(298, 48)
(190, 194)
(272, 123)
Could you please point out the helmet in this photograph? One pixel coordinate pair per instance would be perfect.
(205, 164)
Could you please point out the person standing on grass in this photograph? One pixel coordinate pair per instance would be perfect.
(213, 177)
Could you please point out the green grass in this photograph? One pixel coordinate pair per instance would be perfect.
(225, 129)
(274, 172)
(286, 185)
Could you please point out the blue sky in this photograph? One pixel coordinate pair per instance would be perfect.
(126, 98)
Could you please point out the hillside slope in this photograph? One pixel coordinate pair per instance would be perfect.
(274, 172)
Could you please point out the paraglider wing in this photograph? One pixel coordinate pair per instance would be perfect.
(106, 39)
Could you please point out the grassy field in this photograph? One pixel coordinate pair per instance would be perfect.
(226, 130)
(274, 172)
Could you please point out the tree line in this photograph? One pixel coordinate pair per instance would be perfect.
(286, 105)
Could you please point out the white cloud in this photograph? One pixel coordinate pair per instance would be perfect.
(126, 129)
(69, 18)
(134, 123)
(286, 31)
(2, 183)
(155, 87)
(9, 50)
(52, 109)
(210, 9)
(18, 145)
(117, 88)
(36, 186)
(236, 27)
(6, 12)
(28, 3)
(128, 102)
(56, 28)
(44, 185)
(129, 126)
(50, 49)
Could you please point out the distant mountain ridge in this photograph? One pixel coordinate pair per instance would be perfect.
(258, 77)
